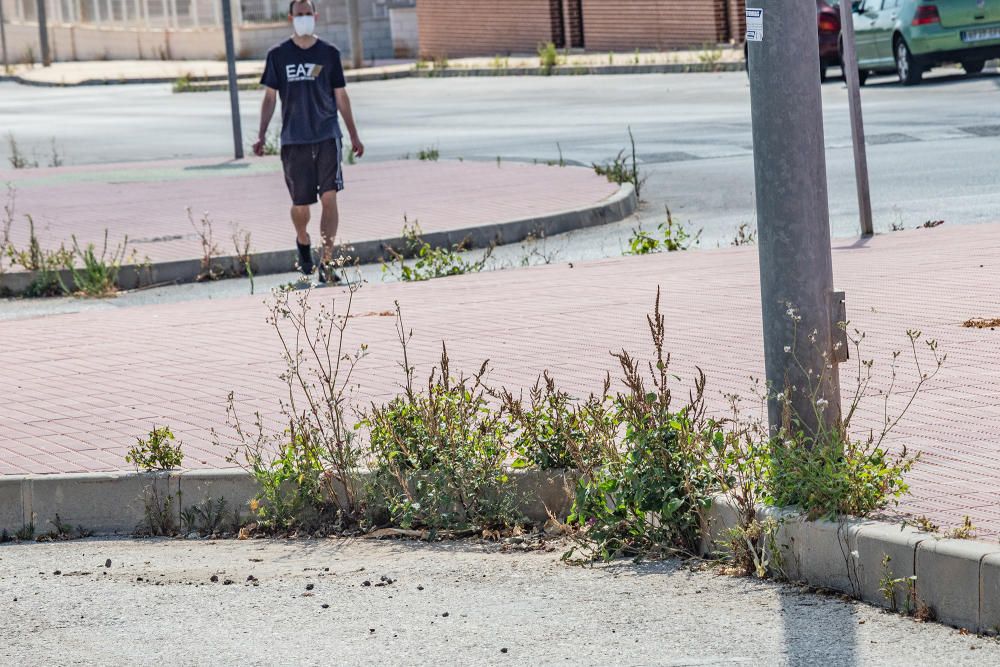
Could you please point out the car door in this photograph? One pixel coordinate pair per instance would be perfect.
(865, 20)
(883, 29)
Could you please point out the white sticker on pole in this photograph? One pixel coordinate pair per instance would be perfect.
(755, 24)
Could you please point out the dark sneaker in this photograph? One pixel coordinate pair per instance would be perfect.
(305, 258)
(328, 274)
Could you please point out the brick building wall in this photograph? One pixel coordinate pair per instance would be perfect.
(653, 24)
(455, 28)
(737, 20)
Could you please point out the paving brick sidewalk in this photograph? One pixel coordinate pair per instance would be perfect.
(147, 201)
(77, 389)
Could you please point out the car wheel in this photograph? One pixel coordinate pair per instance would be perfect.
(907, 68)
(973, 66)
(822, 72)
(862, 76)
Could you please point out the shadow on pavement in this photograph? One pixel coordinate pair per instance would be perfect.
(934, 81)
(817, 631)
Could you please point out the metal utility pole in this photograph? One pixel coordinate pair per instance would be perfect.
(853, 79)
(43, 33)
(357, 47)
(234, 93)
(3, 38)
(793, 225)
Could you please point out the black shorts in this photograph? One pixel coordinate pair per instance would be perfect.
(312, 169)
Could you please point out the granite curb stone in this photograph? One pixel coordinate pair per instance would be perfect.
(949, 580)
(875, 542)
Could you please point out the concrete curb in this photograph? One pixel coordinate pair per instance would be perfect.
(958, 581)
(99, 82)
(114, 503)
(617, 207)
(584, 70)
(561, 70)
(216, 84)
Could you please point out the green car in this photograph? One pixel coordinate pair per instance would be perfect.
(911, 36)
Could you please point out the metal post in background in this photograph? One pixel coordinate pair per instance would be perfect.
(793, 218)
(357, 47)
(43, 34)
(3, 38)
(852, 76)
(234, 93)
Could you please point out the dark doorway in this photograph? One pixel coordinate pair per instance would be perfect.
(573, 16)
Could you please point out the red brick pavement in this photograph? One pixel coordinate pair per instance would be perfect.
(77, 389)
(148, 201)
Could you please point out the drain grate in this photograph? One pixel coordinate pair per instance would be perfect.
(982, 130)
(160, 239)
(218, 167)
(889, 138)
(675, 156)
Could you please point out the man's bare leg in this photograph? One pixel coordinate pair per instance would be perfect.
(300, 218)
(329, 222)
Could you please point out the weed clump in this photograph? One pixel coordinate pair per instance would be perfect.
(155, 452)
(431, 154)
(98, 275)
(90, 274)
(306, 472)
(438, 456)
(623, 168)
(673, 237)
(429, 261)
(548, 57)
(648, 493)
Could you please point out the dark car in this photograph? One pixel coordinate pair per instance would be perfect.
(828, 18)
(828, 21)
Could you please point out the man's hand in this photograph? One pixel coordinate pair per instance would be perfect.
(357, 146)
(258, 147)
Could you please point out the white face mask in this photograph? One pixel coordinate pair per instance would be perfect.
(304, 25)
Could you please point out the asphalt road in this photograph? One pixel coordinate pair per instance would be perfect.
(932, 147)
(448, 603)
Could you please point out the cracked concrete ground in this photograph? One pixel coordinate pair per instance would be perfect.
(306, 603)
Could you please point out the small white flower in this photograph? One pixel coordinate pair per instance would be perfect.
(822, 403)
(788, 348)
(838, 345)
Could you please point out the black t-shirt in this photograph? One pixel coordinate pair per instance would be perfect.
(305, 80)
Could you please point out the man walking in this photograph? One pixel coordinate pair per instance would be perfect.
(307, 74)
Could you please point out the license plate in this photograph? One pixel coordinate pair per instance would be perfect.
(981, 34)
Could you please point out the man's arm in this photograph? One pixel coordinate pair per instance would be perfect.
(344, 106)
(266, 112)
